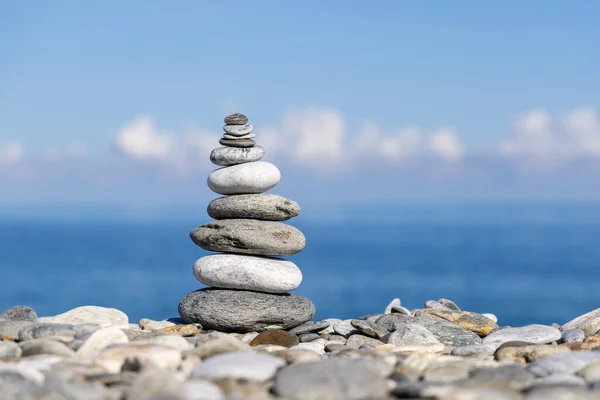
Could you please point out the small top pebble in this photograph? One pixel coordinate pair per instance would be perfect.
(236, 119)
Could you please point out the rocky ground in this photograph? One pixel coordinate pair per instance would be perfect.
(438, 352)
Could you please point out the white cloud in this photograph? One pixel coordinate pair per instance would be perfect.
(11, 153)
(445, 144)
(370, 140)
(539, 136)
(141, 140)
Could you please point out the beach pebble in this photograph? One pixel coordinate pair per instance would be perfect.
(345, 328)
(9, 351)
(572, 335)
(236, 119)
(248, 136)
(147, 354)
(266, 207)
(45, 346)
(491, 316)
(277, 337)
(226, 156)
(11, 329)
(589, 323)
(449, 304)
(103, 316)
(465, 351)
(214, 343)
(197, 389)
(532, 334)
(410, 334)
(394, 303)
(100, 339)
(245, 311)
(565, 363)
(470, 321)
(310, 327)
(308, 337)
(18, 313)
(333, 379)
(240, 143)
(368, 328)
(358, 341)
(247, 178)
(237, 130)
(250, 366)
(315, 346)
(259, 274)
(252, 237)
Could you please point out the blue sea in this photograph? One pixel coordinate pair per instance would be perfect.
(526, 263)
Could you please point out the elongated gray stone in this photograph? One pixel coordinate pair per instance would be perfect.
(266, 207)
(261, 274)
(245, 311)
(248, 178)
(237, 143)
(248, 136)
(19, 313)
(226, 156)
(246, 236)
(238, 130)
(236, 119)
(534, 334)
(589, 323)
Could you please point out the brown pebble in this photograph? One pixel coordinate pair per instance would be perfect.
(277, 337)
(236, 119)
(181, 330)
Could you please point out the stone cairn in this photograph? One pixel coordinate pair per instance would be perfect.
(249, 285)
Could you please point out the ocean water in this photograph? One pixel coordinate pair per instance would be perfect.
(526, 263)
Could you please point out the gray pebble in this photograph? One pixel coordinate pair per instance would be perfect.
(45, 346)
(12, 328)
(308, 337)
(225, 156)
(410, 334)
(243, 143)
(572, 335)
(266, 207)
(345, 328)
(310, 327)
(9, 351)
(19, 313)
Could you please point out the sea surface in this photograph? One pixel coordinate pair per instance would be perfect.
(526, 263)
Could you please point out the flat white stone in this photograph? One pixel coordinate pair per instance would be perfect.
(248, 178)
(102, 316)
(100, 339)
(233, 137)
(260, 274)
(238, 130)
(256, 367)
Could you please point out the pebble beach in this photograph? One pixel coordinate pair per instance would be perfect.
(245, 336)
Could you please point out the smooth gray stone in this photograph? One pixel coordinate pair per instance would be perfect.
(238, 130)
(394, 303)
(410, 334)
(308, 337)
(260, 274)
(310, 327)
(236, 119)
(512, 376)
(449, 303)
(232, 137)
(44, 329)
(71, 390)
(155, 384)
(242, 143)
(266, 207)
(563, 363)
(357, 341)
(332, 379)
(554, 392)
(266, 238)
(446, 332)
(10, 351)
(572, 335)
(248, 178)
(470, 350)
(589, 323)
(251, 366)
(226, 156)
(437, 306)
(19, 313)
(36, 347)
(12, 328)
(345, 328)
(245, 311)
(533, 334)
(557, 380)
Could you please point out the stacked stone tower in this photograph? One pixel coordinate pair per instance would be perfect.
(249, 284)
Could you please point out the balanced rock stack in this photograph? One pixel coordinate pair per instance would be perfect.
(249, 284)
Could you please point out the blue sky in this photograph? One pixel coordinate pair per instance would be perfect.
(122, 101)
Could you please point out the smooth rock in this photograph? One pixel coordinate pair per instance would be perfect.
(437, 306)
(315, 346)
(356, 341)
(12, 328)
(565, 363)
(589, 323)
(308, 337)
(401, 310)
(332, 322)
(242, 365)
(154, 383)
(237, 130)
(394, 303)
(241, 143)
(214, 343)
(465, 351)
(226, 156)
(232, 137)
(150, 325)
(266, 207)
(100, 339)
(410, 334)
(11, 373)
(556, 380)
(19, 313)
(525, 354)
(491, 316)
(572, 335)
(474, 322)
(591, 372)
(246, 236)
(511, 376)
(245, 311)
(196, 389)
(368, 328)
(448, 372)
(333, 379)
(532, 334)
(449, 304)
(103, 316)
(345, 328)
(149, 355)
(260, 274)
(173, 341)
(277, 337)
(45, 346)
(247, 178)
(310, 327)
(9, 351)
(556, 392)
(236, 119)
